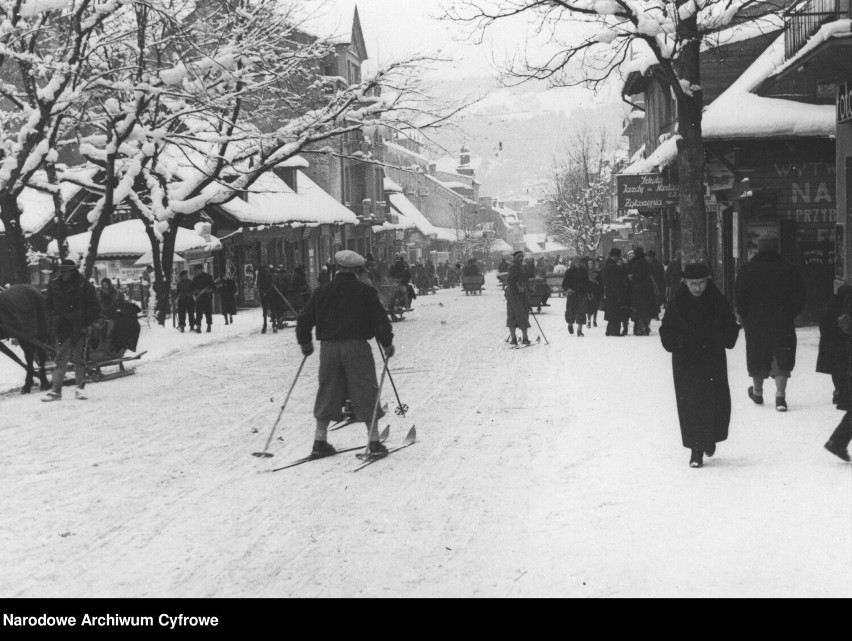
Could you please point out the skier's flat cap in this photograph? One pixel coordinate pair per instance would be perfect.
(349, 258)
(518, 253)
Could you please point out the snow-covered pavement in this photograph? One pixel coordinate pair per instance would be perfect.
(550, 471)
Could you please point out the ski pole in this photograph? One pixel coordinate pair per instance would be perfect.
(373, 422)
(402, 408)
(546, 342)
(264, 453)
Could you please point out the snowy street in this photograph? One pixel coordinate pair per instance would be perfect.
(553, 471)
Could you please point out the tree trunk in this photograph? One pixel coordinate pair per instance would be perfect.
(693, 219)
(61, 230)
(163, 260)
(16, 246)
(105, 217)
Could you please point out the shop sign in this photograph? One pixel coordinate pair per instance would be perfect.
(844, 102)
(645, 191)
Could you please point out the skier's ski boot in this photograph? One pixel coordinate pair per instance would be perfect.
(323, 449)
(526, 341)
(377, 448)
(513, 342)
(757, 398)
(80, 395)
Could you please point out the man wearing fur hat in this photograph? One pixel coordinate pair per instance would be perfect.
(347, 313)
(72, 305)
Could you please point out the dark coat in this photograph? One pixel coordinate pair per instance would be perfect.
(577, 302)
(658, 274)
(833, 343)
(516, 283)
(344, 309)
(643, 299)
(227, 294)
(503, 267)
(770, 293)
(697, 331)
(615, 289)
(71, 305)
(400, 270)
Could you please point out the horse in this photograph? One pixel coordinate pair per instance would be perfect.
(23, 318)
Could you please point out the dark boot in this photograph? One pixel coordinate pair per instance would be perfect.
(322, 449)
(696, 460)
(570, 328)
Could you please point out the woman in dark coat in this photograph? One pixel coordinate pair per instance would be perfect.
(615, 291)
(227, 297)
(643, 300)
(697, 329)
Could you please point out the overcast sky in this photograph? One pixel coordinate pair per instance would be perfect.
(396, 28)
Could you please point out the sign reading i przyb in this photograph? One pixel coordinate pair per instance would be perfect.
(844, 101)
(645, 191)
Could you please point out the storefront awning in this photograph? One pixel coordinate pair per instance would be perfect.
(405, 207)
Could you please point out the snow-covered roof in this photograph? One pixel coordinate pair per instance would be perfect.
(450, 190)
(392, 146)
(456, 185)
(332, 23)
(541, 244)
(297, 162)
(37, 206)
(500, 246)
(447, 233)
(128, 238)
(272, 202)
(404, 223)
(739, 113)
(836, 29)
(407, 209)
(390, 186)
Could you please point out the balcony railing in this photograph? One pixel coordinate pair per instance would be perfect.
(805, 21)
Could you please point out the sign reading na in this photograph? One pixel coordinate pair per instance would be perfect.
(844, 102)
(645, 191)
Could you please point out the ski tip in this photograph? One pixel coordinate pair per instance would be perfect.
(538, 340)
(411, 436)
(385, 432)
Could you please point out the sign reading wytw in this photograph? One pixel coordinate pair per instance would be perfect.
(844, 101)
(645, 191)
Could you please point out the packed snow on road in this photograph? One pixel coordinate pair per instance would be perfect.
(555, 470)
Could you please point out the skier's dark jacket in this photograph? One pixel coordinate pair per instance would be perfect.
(400, 271)
(202, 281)
(344, 309)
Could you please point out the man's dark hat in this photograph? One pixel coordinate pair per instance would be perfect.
(696, 270)
(517, 253)
(67, 263)
(615, 251)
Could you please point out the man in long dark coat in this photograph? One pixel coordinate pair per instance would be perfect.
(697, 328)
(615, 291)
(517, 299)
(770, 293)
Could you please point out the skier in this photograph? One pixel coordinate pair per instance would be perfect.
(517, 299)
(203, 288)
(697, 328)
(347, 313)
(769, 294)
(71, 305)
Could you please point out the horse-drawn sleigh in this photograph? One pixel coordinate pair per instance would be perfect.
(23, 320)
(472, 284)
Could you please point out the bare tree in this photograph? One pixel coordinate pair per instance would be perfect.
(580, 191)
(588, 41)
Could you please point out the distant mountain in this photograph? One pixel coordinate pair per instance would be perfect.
(515, 133)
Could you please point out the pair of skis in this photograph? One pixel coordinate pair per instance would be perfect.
(537, 341)
(366, 458)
